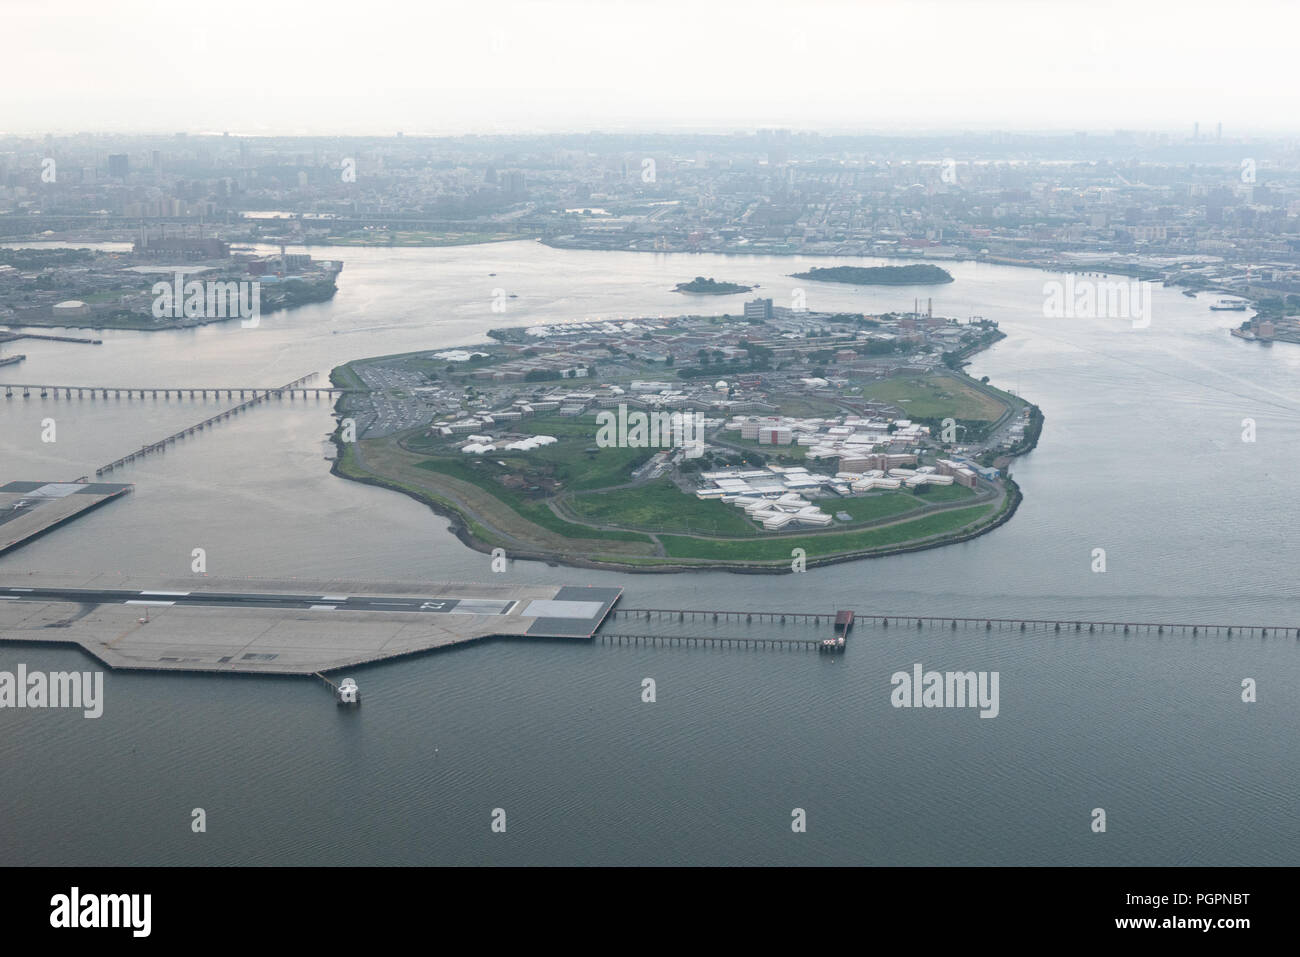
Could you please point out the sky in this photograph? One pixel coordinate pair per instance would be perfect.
(374, 67)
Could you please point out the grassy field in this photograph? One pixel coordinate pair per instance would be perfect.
(873, 507)
(344, 377)
(778, 549)
(661, 505)
(792, 451)
(937, 397)
(807, 406)
(536, 512)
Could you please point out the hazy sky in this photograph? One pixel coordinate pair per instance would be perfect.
(378, 66)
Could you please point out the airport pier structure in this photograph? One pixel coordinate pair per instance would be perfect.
(31, 509)
(288, 627)
(296, 627)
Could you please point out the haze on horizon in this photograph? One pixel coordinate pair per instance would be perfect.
(342, 67)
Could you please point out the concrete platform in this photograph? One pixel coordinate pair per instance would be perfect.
(281, 627)
(30, 509)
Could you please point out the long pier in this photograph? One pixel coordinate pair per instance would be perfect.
(945, 621)
(292, 391)
(729, 641)
(262, 395)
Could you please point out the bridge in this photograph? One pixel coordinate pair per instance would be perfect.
(291, 391)
(260, 395)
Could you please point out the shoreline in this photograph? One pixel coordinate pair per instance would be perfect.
(460, 522)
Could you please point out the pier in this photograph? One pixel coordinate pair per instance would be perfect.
(308, 628)
(282, 627)
(726, 641)
(15, 336)
(261, 396)
(955, 622)
(29, 510)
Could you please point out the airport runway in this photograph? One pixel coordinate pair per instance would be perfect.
(386, 603)
(292, 627)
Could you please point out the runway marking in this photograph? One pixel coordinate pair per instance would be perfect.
(20, 589)
(134, 602)
(334, 597)
(321, 608)
(180, 594)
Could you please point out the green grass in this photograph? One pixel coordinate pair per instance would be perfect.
(567, 461)
(536, 512)
(815, 544)
(935, 397)
(943, 494)
(582, 471)
(561, 426)
(662, 506)
(883, 505)
(792, 451)
(806, 406)
(872, 507)
(344, 377)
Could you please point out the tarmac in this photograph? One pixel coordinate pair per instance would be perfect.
(286, 627)
(30, 509)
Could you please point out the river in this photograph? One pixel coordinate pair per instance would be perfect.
(1141, 455)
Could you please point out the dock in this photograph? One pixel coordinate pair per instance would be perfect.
(288, 627)
(837, 639)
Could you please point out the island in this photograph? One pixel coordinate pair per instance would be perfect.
(710, 287)
(716, 442)
(165, 282)
(920, 274)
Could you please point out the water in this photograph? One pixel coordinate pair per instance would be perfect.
(1141, 455)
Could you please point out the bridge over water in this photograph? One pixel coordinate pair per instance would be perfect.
(259, 396)
(293, 390)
